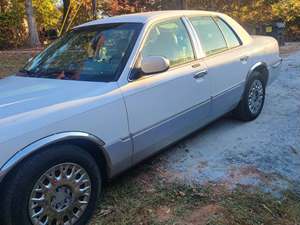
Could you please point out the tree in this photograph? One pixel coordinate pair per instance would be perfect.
(47, 14)
(287, 10)
(94, 4)
(117, 7)
(12, 30)
(66, 7)
(32, 27)
(77, 12)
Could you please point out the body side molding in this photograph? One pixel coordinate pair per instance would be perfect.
(46, 141)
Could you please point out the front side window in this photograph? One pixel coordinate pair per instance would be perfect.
(97, 53)
(210, 35)
(231, 38)
(171, 40)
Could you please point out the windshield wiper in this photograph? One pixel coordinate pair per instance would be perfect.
(28, 72)
(24, 71)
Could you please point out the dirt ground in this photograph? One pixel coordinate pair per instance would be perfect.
(289, 48)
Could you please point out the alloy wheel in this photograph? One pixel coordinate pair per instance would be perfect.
(255, 97)
(60, 196)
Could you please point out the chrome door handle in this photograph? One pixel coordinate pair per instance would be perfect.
(200, 74)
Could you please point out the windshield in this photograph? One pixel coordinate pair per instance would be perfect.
(97, 53)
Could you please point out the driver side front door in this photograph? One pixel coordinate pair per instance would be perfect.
(165, 107)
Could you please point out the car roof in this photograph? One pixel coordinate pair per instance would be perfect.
(146, 17)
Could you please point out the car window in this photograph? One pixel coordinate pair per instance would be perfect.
(171, 40)
(230, 36)
(209, 33)
(96, 53)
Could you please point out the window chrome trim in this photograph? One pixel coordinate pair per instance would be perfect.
(233, 31)
(198, 49)
(37, 145)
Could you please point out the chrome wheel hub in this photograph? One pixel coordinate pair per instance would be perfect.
(62, 199)
(255, 97)
(60, 196)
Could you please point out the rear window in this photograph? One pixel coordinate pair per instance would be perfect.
(210, 35)
(230, 36)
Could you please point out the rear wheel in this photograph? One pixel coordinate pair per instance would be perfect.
(58, 186)
(253, 99)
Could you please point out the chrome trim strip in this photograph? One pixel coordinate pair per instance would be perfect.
(157, 137)
(228, 90)
(35, 146)
(277, 64)
(227, 100)
(169, 119)
(187, 110)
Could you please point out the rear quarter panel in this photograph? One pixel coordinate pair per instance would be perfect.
(265, 50)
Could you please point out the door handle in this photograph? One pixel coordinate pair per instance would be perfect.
(196, 65)
(244, 59)
(200, 74)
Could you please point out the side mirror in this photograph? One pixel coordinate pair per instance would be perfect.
(154, 64)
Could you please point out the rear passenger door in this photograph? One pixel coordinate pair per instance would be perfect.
(225, 60)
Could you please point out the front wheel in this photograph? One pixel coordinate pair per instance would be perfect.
(55, 187)
(253, 99)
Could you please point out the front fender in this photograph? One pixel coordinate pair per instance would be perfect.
(49, 140)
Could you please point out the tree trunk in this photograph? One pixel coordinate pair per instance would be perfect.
(184, 4)
(66, 16)
(66, 5)
(34, 40)
(94, 6)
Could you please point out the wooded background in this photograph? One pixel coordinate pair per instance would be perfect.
(24, 22)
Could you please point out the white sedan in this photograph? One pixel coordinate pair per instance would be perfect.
(112, 92)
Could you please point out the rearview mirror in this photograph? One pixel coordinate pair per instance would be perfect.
(154, 64)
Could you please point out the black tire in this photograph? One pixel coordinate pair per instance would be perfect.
(15, 208)
(243, 111)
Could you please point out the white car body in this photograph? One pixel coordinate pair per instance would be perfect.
(129, 120)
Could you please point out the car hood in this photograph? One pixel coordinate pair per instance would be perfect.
(41, 101)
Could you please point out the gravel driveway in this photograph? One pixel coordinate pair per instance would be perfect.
(264, 153)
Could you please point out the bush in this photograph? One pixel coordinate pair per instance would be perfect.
(11, 30)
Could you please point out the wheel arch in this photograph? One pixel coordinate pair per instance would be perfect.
(260, 67)
(86, 141)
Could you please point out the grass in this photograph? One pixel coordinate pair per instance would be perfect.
(142, 197)
(129, 200)
(11, 62)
